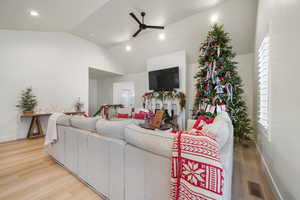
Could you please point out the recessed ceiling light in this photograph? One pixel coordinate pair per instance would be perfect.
(214, 18)
(128, 48)
(34, 13)
(161, 36)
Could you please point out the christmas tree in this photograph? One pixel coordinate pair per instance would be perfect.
(219, 86)
(28, 101)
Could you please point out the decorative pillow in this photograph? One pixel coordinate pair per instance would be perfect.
(221, 128)
(125, 116)
(139, 116)
(200, 123)
(84, 115)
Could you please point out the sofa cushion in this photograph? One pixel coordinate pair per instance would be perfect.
(88, 124)
(112, 128)
(221, 128)
(155, 141)
(64, 120)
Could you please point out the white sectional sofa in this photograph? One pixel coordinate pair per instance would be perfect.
(120, 160)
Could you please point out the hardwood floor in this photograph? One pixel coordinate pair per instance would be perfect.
(249, 179)
(27, 173)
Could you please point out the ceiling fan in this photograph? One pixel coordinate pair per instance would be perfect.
(142, 25)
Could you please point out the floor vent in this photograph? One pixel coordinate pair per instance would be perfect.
(255, 189)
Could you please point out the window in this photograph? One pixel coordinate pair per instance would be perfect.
(263, 84)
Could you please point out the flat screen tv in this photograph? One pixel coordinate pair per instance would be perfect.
(165, 79)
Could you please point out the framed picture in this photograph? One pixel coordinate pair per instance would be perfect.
(158, 118)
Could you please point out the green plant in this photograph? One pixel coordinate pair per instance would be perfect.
(28, 101)
(79, 105)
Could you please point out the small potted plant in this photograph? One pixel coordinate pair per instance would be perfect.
(27, 102)
(78, 105)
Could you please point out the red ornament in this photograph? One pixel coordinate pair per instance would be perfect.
(211, 50)
(221, 78)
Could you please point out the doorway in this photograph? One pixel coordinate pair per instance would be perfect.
(123, 93)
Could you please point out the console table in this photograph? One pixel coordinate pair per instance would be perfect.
(35, 123)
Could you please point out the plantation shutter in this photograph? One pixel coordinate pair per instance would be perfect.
(263, 83)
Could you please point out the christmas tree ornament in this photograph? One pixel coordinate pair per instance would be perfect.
(219, 89)
(228, 74)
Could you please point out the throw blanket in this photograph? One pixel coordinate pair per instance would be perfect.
(51, 134)
(196, 173)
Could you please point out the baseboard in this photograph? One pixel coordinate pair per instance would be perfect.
(269, 175)
(7, 139)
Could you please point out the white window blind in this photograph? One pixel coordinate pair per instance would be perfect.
(263, 83)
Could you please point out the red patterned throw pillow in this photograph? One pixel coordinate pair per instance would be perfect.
(139, 116)
(200, 122)
(125, 116)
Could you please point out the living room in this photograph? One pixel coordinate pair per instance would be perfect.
(117, 86)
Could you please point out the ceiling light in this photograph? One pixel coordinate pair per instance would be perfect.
(128, 48)
(161, 36)
(214, 18)
(34, 13)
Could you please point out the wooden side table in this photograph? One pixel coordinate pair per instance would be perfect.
(35, 123)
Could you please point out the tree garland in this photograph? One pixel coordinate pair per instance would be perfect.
(166, 95)
(107, 107)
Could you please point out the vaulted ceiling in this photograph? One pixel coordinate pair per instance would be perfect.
(107, 23)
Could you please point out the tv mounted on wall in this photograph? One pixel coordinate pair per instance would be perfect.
(165, 79)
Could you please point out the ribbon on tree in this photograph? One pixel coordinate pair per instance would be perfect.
(213, 73)
(208, 74)
(228, 87)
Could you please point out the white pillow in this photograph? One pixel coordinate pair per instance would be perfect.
(221, 128)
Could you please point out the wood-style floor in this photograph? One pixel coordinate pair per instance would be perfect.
(27, 173)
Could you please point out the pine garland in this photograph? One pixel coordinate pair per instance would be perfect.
(163, 95)
(111, 106)
(218, 82)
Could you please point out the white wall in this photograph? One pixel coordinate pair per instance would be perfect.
(174, 59)
(281, 19)
(245, 68)
(93, 96)
(54, 64)
(140, 84)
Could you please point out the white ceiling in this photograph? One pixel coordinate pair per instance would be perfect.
(107, 23)
(112, 24)
(55, 15)
(104, 22)
(238, 17)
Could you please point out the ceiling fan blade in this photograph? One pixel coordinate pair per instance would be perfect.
(136, 33)
(134, 17)
(155, 27)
